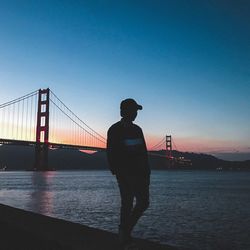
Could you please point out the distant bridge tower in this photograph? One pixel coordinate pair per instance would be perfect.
(169, 146)
(42, 130)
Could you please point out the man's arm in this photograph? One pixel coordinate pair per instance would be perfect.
(145, 152)
(112, 146)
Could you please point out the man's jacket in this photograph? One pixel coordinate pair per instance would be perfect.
(126, 149)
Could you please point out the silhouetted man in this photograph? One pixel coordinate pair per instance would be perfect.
(128, 160)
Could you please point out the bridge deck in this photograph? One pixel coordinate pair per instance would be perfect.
(51, 144)
(20, 229)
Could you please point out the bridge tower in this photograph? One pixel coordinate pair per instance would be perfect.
(169, 156)
(42, 130)
(169, 146)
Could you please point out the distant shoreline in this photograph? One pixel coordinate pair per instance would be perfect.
(22, 158)
(153, 170)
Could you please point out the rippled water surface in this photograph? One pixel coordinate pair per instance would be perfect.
(189, 209)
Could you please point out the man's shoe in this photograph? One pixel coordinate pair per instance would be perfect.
(130, 246)
(123, 236)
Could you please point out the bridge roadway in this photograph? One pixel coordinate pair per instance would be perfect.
(63, 146)
(51, 145)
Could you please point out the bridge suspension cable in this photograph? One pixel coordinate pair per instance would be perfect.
(77, 116)
(159, 145)
(76, 122)
(18, 99)
(175, 147)
(73, 130)
(19, 121)
(17, 118)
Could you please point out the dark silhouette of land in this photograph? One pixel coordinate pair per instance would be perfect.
(20, 229)
(22, 158)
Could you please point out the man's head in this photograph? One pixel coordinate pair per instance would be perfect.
(129, 109)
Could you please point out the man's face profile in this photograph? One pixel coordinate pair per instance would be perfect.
(129, 114)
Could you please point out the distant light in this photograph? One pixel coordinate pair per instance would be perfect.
(52, 148)
(87, 151)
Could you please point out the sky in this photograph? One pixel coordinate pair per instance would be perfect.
(186, 62)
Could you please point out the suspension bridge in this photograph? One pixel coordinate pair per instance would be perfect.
(42, 120)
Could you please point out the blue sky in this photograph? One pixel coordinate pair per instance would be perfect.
(186, 62)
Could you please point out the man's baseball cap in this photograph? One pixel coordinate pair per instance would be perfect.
(130, 104)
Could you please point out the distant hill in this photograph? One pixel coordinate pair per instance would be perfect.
(233, 156)
(206, 161)
(22, 158)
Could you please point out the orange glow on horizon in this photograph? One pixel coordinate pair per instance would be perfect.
(64, 136)
(198, 145)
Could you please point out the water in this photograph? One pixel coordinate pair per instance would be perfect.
(189, 209)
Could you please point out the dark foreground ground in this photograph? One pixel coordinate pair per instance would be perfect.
(22, 230)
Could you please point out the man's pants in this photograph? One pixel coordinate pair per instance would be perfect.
(132, 187)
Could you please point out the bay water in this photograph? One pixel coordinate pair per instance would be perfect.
(189, 209)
